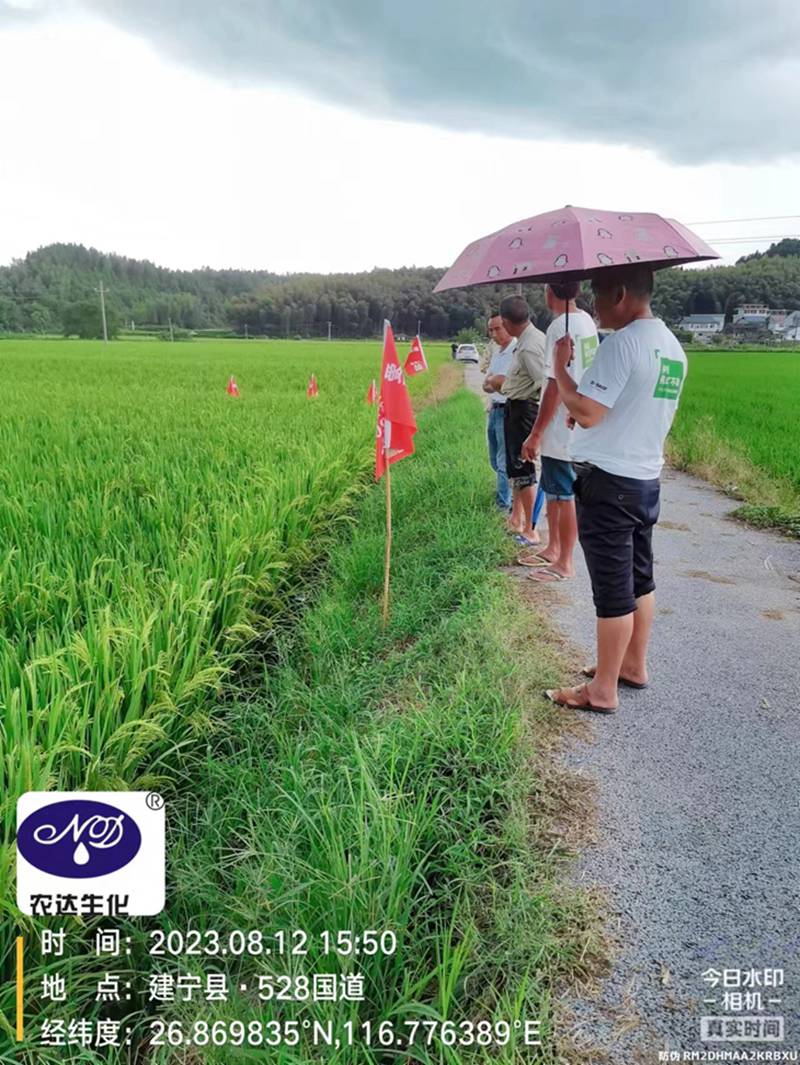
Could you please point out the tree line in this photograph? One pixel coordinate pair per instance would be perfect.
(55, 290)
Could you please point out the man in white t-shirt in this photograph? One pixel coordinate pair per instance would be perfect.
(504, 345)
(551, 436)
(623, 407)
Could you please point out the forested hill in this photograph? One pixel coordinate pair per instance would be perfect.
(45, 290)
(38, 292)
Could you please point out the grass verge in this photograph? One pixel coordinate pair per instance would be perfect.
(767, 500)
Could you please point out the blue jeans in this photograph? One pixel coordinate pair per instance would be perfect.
(497, 456)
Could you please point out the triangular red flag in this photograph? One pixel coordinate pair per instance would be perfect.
(372, 393)
(312, 389)
(233, 388)
(416, 361)
(394, 437)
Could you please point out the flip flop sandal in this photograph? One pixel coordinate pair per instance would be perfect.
(551, 693)
(533, 561)
(546, 576)
(520, 539)
(587, 671)
(533, 558)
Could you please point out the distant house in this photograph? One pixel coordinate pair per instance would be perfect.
(791, 326)
(759, 316)
(749, 310)
(702, 324)
(748, 323)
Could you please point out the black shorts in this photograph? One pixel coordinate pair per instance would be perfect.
(616, 516)
(519, 416)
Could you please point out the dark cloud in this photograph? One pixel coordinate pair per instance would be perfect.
(696, 80)
(21, 12)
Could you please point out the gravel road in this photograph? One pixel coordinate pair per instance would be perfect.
(698, 781)
(698, 787)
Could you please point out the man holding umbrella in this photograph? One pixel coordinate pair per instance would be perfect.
(623, 406)
(623, 409)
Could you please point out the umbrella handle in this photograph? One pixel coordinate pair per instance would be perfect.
(566, 322)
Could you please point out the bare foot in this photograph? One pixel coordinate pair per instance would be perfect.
(577, 698)
(537, 558)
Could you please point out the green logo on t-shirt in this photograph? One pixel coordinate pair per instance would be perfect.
(588, 350)
(670, 379)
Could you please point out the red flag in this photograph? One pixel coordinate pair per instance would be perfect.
(416, 361)
(372, 393)
(312, 389)
(233, 388)
(394, 438)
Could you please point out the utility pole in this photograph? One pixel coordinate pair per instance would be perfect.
(329, 330)
(103, 313)
(171, 331)
(246, 331)
(419, 326)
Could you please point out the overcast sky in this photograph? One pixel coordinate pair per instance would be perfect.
(344, 134)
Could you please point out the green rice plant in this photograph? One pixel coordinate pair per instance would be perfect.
(155, 533)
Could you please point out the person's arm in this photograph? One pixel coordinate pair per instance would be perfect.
(494, 382)
(586, 411)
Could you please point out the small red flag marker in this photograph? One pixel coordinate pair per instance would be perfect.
(394, 438)
(416, 361)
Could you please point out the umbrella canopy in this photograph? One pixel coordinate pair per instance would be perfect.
(571, 244)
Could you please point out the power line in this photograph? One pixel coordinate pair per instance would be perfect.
(754, 239)
(725, 221)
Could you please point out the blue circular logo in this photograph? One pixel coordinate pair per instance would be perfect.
(78, 838)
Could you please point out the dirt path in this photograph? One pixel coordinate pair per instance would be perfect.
(698, 786)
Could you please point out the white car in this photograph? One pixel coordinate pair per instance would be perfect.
(467, 353)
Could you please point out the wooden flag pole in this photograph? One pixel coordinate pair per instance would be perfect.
(388, 557)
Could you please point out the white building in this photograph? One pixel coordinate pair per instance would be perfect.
(791, 326)
(702, 324)
(751, 310)
(757, 314)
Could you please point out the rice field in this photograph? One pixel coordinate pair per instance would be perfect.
(359, 777)
(737, 424)
(152, 533)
